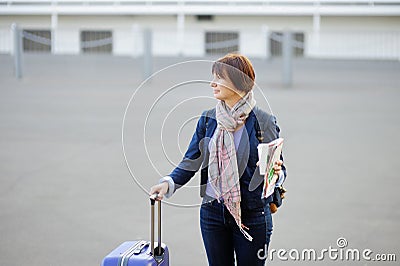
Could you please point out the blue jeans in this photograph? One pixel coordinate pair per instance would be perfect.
(222, 237)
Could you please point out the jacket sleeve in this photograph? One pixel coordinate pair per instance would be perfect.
(193, 158)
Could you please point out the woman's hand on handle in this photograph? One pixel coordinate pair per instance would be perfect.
(160, 189)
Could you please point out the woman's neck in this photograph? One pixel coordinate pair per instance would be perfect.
(232, 101)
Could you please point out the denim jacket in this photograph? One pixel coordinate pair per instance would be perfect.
(197, 155)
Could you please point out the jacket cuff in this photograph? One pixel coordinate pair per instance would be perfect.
(281, 179)
(171, 185)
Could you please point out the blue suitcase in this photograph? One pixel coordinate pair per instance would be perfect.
(141, 252)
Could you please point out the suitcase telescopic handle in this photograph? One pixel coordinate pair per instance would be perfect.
(153, 201)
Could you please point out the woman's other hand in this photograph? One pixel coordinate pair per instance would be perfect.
(278, 167)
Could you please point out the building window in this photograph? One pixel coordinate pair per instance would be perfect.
(221, 42)
(205, 17)
(37, 41)
(275, 41)
(96, 42)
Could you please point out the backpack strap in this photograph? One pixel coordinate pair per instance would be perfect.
(261, 123)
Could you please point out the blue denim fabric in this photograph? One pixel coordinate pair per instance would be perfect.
(222, 237)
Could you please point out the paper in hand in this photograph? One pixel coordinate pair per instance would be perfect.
(268, 154)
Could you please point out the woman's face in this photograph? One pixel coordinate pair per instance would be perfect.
(223, 89)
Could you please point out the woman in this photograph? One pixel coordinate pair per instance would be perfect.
(233, 217)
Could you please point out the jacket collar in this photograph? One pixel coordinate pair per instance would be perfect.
(250, 122)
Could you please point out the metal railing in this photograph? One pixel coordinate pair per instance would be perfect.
(202, 2)
(277, 7)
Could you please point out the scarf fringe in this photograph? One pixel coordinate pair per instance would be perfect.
(246, 235)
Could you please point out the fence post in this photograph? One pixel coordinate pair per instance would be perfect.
(147, 53)
(287, 54)
(53, 35)
(266, 33)
(17, 50)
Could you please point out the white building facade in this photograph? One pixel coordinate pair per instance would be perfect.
(321, 29)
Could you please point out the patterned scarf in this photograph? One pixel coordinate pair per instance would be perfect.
(223, 169)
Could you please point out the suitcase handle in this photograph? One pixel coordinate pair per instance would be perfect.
(152, 201)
